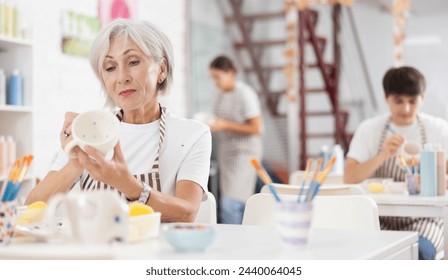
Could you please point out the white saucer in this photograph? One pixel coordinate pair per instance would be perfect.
(41, 231)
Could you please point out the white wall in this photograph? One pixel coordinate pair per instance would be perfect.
(66, 83)
(427, 49)
(431, 59)
(375, 27)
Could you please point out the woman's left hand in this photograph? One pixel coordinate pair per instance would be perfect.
(113, 173)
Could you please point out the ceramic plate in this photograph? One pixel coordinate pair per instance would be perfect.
(41, 231)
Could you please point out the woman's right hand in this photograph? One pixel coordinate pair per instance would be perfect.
(391, 145)
(65, 135)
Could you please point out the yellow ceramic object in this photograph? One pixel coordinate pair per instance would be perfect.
(144, 226)
(33, 213)
(137, 209)
(375, 187)
(37, 204)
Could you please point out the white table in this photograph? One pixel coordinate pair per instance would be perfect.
(404, 205)
(236, 242)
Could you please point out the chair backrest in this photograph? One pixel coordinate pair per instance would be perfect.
(326, 189)
(296, 178)
(336, 212)
(207, 210)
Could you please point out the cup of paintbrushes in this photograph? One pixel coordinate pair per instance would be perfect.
(410, 178)
(293, 222)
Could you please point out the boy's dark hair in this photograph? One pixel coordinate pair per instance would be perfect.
(403, 80)
(222, 63)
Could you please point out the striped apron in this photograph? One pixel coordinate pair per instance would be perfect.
(237, 177)
(152, 178)
(430, 228)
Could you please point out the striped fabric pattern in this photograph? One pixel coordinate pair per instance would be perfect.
(430, 228)
(293, 222)
(237, 177)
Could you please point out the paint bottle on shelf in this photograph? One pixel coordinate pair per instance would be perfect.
(8, 18)
(2, 17)
(2, 87)
(441, 172)
(16, 17)
(15, 89)
(11, 151)
(428, 171)
(3, 157)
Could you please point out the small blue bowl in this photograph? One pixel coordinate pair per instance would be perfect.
(190, 237)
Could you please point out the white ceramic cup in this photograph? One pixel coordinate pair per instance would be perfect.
(90, 217)
(99, 129)
(412, 148)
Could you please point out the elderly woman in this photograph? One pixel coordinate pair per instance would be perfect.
(160, 159)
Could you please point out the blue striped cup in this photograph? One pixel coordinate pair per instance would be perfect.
(293, 222)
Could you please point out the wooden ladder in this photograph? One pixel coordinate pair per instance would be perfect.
(256, 49)
(329, 72)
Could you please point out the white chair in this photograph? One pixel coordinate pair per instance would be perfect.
(325, 189)
(335, 212)
(207, 210)
(296, 178)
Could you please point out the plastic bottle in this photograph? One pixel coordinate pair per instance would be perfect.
(441, 172)
(11, 151)
(17, 19)
(9, 21)
(325, 155)
(2, 87)
(3, 157)
(428, 171)
(338, 167)
(15, 89)
(2, 17)
(25, 19)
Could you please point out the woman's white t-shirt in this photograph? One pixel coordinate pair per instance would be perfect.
(184, 155)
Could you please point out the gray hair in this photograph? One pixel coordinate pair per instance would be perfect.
(145, 35)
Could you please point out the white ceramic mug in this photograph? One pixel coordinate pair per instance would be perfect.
(90, 217)
(99, 129)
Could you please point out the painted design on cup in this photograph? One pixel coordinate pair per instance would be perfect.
(293, 222)
(8, 215)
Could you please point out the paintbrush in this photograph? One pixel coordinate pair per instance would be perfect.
(313, 180)
(403, 162)
(388, 127)
(12, 175)
(16, 177)
(264, 176)
(323, 176)
(305, 177)
(21, 176)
